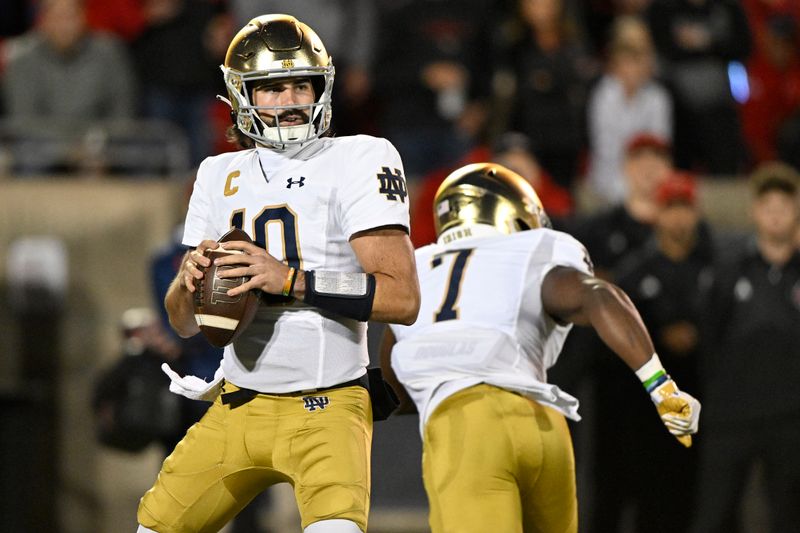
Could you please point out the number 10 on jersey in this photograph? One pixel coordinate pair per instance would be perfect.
(274, 214)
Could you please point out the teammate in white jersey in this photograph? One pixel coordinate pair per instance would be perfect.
(500, 292)
(329, 218)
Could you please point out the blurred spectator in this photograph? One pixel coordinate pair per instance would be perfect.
(774, 78)
(512, 150)
(626, 101)
(772, 114)
(759, 12)
(552, 70)
(435, 58)
(177, 58)
(125, 18)
(668, 280)
(751, 408)
(348, 29)
(515, 151)
(131, 400)
(62, 84)
(615, 232)
(697, 40)
(62, 72)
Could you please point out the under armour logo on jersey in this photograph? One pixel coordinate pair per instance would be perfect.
(299, 182)
(312, 403)
(393, 184)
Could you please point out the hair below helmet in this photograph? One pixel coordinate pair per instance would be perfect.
(488, 193)
(272, 47)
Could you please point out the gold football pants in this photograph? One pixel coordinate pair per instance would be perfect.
(494, 460)
(321, 446)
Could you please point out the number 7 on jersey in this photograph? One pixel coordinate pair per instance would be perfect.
(448, 309)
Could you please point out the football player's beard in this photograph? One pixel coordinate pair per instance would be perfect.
(269, 118)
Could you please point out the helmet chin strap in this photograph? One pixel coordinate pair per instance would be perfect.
(284, 134)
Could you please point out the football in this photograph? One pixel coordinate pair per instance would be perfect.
(222, 318)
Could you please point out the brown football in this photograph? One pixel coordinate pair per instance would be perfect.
(222, 318)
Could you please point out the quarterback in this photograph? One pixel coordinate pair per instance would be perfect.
(329, 222)
(500, 292)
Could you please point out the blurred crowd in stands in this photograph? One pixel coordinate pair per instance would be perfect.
(624, 105)
(719, 79)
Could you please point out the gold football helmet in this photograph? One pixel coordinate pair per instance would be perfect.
(488, 193)
(271, 47)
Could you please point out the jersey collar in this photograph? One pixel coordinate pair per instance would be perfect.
(303, 152)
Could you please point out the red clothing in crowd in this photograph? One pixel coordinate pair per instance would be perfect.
(774, 87)
(774, 95)
(556, 200)
(124, 18)
(758, 11)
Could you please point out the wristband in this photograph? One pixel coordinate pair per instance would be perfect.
(652, 374)
(349, 294)
(294, 280)
(288, 285)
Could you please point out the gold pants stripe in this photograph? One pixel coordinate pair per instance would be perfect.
(231, 455)
(494, 460)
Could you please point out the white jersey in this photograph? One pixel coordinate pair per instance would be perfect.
(302, 206)
(481, 319)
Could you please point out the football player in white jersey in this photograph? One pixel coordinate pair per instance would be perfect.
(329, 218)
(500, 292)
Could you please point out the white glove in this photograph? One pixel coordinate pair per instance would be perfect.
(679, 411)
(193, 387)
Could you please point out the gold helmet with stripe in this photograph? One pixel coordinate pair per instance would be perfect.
(491, 194)
(271, 47)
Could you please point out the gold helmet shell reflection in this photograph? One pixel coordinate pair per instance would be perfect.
(491, 194)
(270, 47)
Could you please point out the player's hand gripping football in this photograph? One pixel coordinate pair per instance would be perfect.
(265, 272)
(679, 411)
(192, 268)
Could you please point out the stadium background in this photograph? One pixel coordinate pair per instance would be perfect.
(109, 219)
